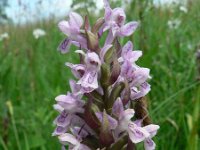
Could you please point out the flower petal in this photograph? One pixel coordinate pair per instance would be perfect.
(64, 46)
(63, 120)
(143, 90)
(137, 134)
(128, 28)
(108, 14)
(106, 3)
(89, 81)
(119, 16)
(140, 76)
(149, 144)
(75, 20)
(64, 27)
(118, 107)
(78, 70)
(112, 122)
(68, 138)
(152, 129)
(59, 131)
(127, 47)
(92, 61)
(79, 132)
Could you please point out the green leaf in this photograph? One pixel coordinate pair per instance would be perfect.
(105, 75)
(108, 55)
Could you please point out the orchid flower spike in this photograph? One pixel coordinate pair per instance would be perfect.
(101, 109)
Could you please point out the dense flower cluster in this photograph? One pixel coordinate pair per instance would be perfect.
(98, 112)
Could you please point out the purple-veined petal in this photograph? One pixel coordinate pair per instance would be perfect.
(127, 71)
(89, 81)
(59, 131)
(75, 20)
(63, 120)
(149, 144)
(64, 46)
(128, 28)
(68, 138)
(118, 107)
(137, 134)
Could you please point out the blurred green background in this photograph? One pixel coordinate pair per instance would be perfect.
(32, 72)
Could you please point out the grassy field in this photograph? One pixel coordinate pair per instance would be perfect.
(32, 73)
